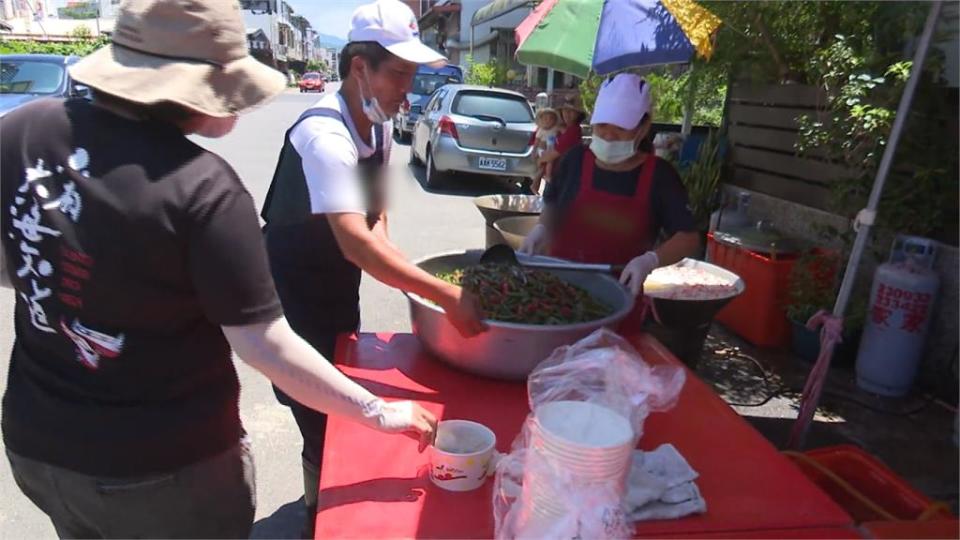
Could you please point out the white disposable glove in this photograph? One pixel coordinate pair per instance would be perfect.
(299, 370)
(536, 242)
(637, 270)
(403, 417)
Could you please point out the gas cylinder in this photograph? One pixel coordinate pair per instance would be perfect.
(901, 308)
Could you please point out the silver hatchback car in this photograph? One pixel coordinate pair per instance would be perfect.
(475, 129)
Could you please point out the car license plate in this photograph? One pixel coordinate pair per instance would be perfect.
(493, 164)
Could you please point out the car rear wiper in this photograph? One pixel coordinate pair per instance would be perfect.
(489, 118)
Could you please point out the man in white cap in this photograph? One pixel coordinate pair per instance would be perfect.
(611, 203)
(325, 211)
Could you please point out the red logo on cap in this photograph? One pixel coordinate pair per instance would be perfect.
(413, 25)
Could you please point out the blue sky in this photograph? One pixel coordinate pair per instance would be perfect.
(328, 16)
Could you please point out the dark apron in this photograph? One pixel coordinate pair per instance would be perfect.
(318, 287)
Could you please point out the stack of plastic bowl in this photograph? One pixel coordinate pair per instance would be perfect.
(574, 445)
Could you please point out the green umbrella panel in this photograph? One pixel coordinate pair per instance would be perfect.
(565, 38)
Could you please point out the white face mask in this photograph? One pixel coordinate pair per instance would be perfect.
(613, 152)
(371, 106)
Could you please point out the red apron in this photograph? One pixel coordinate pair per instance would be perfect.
(605, 228)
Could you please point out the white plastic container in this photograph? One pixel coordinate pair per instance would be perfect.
(461, 458)
(576, 444)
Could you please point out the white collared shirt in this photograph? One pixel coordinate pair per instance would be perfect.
(330, 151)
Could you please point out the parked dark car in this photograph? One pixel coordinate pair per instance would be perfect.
(27, 77)
(425, 83)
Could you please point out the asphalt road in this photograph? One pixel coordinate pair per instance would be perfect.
(421, 223)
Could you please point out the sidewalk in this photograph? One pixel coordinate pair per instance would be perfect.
(913, 435)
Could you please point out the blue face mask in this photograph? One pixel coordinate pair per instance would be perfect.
(613, 152)
(371, 106)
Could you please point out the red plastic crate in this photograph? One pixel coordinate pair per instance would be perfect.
(928, 530)
(867, 489)
(759, 314)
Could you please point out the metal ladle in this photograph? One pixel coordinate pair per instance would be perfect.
(503, 254)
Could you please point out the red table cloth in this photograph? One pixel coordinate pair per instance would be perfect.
(375, 485)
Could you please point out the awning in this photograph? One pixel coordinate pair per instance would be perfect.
(430, 17)
(479, 42)
(498, 8)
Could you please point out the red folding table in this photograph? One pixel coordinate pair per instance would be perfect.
(375, 485)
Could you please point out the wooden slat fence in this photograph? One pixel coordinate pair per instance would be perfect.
(762, 130)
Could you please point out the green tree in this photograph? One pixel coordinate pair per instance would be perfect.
(76, 48)
(82, 32)
(491, 73)
(855, 52)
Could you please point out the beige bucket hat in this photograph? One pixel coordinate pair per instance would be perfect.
(189, 52)
(571, 102)
(545, 111)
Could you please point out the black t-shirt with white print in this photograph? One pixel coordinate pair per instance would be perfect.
(129, 246)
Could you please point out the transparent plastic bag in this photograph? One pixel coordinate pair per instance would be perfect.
(602, 369)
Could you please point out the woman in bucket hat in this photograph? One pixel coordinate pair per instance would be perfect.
(138, 263)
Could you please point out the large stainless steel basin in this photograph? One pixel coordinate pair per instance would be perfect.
(495, 207)
(508, 351)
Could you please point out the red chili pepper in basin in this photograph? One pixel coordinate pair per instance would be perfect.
(526, 296)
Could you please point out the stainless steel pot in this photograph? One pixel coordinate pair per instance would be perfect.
(508, 351)
(496, 207)
(515, 229)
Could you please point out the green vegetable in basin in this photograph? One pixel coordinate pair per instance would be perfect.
(515, 294)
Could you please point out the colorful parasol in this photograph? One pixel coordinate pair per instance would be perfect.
(606, 36)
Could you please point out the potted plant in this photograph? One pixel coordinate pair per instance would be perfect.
(701, 178)
(808, 294)
(813, 287)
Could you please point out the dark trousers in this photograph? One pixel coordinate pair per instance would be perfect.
(312, 424)
(320, 301)
(313, 430)
(215, 498)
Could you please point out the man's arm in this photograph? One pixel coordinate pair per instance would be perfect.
(370, 252)
(382, 231)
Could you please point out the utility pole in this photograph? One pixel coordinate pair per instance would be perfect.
(37, 17)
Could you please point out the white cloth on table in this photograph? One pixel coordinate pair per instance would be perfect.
(661, 486)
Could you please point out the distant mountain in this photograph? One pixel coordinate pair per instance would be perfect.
(332, 41)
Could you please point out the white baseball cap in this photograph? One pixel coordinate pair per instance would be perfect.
(391, 23)
(622, 101)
